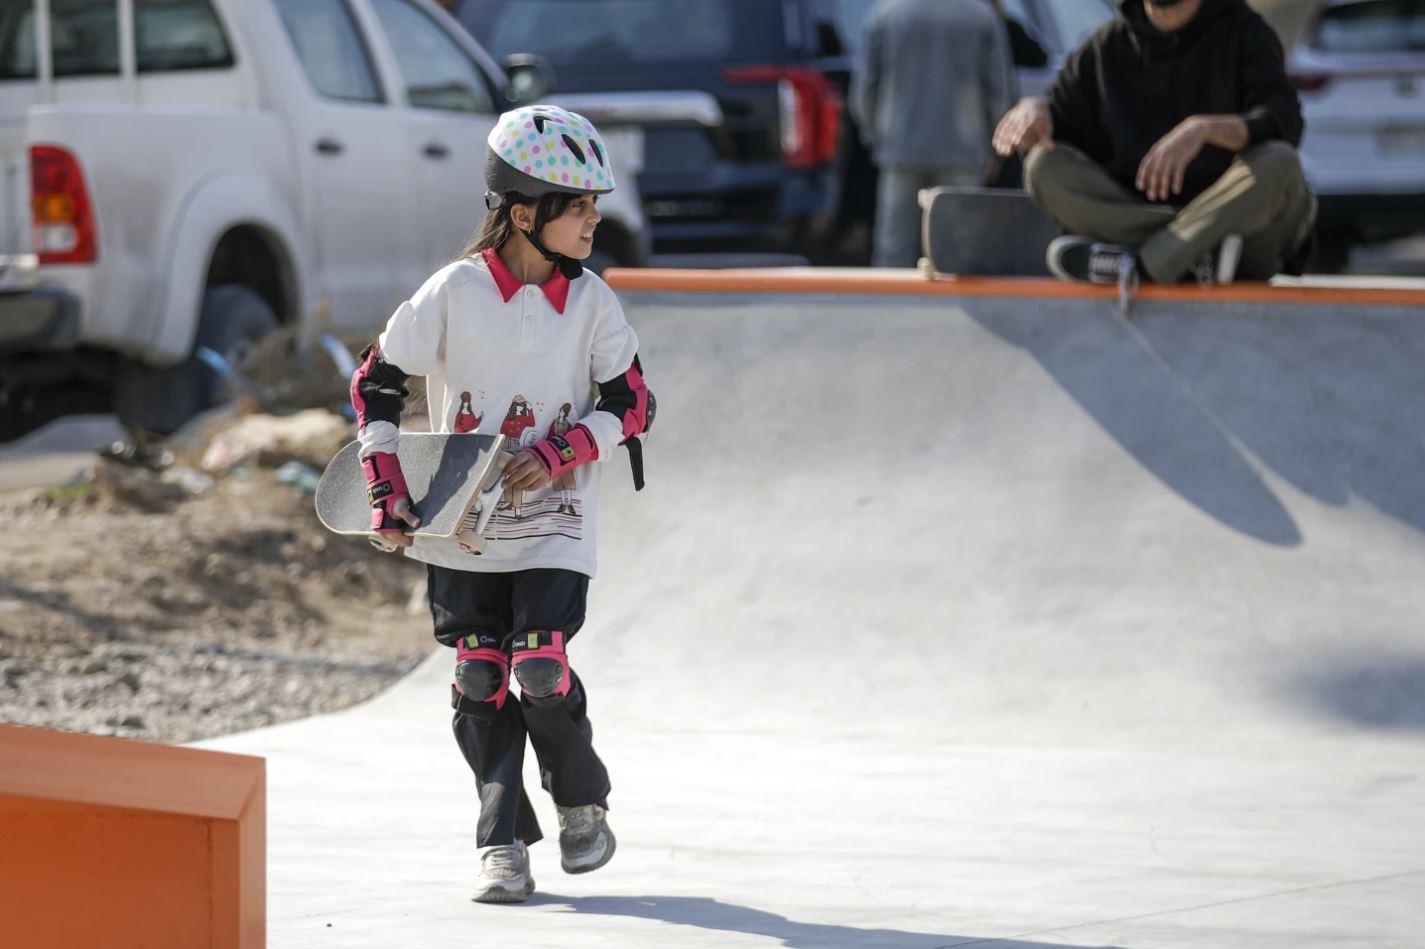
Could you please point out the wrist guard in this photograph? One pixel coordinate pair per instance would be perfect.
(385, 485)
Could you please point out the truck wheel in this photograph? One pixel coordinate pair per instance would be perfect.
(599, 261)
(233, 319)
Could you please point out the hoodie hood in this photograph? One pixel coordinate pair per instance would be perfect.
(1145, 35)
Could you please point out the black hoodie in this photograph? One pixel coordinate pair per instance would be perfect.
(1129, 85)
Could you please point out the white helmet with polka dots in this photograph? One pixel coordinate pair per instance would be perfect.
(543, 149)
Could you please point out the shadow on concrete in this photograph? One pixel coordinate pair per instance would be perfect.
(1382, 693)
(1331, 400)
(705, 913)
(1116, 375)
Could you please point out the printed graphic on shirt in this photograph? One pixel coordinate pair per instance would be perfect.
(564, 483)
(558, 513)
(465, 418)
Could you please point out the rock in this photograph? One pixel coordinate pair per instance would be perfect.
(302, 476)
(191, 480)
(137, 487)
(197, 432)
(315, 433)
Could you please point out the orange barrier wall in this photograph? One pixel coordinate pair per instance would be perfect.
(913, 283)
(120, 844)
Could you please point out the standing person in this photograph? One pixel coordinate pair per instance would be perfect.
(1170, 132)
(516, 320)
(933, 77)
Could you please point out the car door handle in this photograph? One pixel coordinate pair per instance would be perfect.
(436, 150)
(329, 146)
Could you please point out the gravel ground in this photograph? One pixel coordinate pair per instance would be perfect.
(174, 607)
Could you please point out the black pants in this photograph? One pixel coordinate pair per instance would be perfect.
(503, 605)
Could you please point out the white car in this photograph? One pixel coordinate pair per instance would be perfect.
(1360, 69)
(186, 173)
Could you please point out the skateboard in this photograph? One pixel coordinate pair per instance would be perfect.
(984, 232)
(454, 480)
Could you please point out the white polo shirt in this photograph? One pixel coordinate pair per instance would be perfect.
(500, 356)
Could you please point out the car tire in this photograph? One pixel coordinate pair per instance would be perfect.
(232, 321)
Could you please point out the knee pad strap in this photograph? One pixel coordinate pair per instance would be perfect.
(540, 664)
(482, 673)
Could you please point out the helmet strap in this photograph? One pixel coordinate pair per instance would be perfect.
(568, 266)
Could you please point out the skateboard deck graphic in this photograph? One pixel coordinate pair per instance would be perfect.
(984, 232)
(444, 473)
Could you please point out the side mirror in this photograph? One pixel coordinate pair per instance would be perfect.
(531, 78)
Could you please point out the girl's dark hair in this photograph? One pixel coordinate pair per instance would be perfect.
(498, 227)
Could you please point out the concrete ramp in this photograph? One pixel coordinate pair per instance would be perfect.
(955, 621)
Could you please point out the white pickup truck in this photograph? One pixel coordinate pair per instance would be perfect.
(186, 173)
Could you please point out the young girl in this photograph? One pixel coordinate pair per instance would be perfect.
(517, 321)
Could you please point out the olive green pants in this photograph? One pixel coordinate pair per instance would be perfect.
(1263, 197)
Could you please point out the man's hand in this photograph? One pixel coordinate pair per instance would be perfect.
(1161, 173)
(526, 472)
(1024, 126)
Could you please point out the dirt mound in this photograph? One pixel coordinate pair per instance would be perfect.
(192, 592)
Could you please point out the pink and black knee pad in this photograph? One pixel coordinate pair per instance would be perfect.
(482, 673)
(541, 666)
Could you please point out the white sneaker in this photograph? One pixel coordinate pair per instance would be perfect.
(585, 841)
(504, 875)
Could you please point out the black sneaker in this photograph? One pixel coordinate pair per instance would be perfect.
(1084, 260)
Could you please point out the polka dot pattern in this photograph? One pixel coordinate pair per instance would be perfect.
(553, 145)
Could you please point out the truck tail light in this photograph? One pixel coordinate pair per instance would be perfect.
(1310, 82)
(810, 110)
(60, 212)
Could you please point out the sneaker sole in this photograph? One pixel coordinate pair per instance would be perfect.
(1051, 260)
(590, 868)
(498, 894)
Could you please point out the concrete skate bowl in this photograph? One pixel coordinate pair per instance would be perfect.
(954, 620)
(1072, 523)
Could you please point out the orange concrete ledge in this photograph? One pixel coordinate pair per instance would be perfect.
(1410, 293)
(116, 843)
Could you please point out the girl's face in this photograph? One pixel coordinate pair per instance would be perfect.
(572, 233)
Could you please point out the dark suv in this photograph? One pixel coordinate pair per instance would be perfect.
(734, 108)
(731, 108)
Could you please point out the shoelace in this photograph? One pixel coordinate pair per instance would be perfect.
(1205, 272)
(577, 820)
(1107, 263)
(502, 862)
(1127, 283)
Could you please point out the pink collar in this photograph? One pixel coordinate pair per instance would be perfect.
(556, 288)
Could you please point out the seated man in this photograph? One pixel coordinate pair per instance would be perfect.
(1167, 135)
